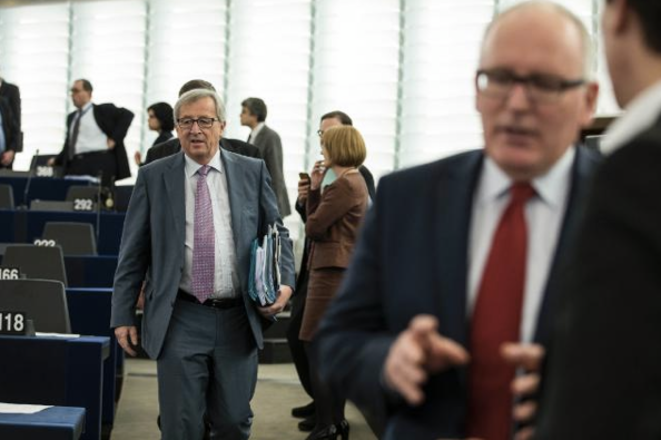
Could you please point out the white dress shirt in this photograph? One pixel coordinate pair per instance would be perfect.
(226, 280)
(255, 131)
(641, 114)
(544, 217)
(90, 137)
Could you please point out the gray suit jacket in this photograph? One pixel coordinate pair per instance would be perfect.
(154, 233)
(270, 147)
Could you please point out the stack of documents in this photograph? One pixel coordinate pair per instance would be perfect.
(264, 276)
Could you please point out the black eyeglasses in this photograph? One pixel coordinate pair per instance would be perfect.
(187, 123)
(498, 84)
(320, 133)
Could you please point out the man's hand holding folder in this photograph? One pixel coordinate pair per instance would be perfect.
(264, 285)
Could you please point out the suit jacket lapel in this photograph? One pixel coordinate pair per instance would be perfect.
(175, 181)
(584, 164)
(234, 192)
(453, 208)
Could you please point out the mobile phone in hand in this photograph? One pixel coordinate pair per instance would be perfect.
(304, 176)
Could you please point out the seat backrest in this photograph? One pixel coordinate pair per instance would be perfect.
(6, 197)
(37, 262)
(43, 301)
(75, 238)
(82, 192)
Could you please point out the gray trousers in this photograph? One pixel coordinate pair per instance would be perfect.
(208, 366)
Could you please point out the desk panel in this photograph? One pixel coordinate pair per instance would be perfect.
(76, 366)
(57, 423)
(89, 312)
(90, 271)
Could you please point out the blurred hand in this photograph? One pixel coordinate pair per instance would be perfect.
(303, 190)
(124, 334)
(418, 352)
(137, 157)
(278, 306)
(528, 357)
(7, 158)
(317, 174)
(111, 144)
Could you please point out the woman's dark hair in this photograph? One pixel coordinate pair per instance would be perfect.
(164, 114)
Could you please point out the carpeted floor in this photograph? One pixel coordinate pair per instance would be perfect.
(278, 390)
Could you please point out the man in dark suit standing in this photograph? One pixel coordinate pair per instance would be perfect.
(189, 229)
(457, 256)
(95, 137)
(9, 135)
(603, 379)
(267, 140)
(11, 95)
(172, 146)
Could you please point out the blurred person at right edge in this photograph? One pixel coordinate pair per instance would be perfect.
(458, 258)
(333, 221)
(603, 375)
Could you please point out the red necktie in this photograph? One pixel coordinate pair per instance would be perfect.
(496, 319)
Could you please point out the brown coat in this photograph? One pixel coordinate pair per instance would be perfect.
(334, 219)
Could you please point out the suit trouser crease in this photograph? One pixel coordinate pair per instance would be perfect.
(208, 365)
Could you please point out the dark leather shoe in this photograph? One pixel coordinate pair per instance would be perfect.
(303, 412)
(307, 425)
(327, 433)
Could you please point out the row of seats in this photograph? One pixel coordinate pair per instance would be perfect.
(74, 192)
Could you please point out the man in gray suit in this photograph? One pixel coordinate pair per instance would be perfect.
(189, 228)
(267, 140)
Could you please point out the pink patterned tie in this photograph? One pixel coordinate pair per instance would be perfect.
(204, 240)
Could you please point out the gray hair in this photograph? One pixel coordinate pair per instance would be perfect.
(197, 94)
(588, 45)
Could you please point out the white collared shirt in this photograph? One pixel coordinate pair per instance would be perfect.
(90, 137)
(255, 131)
(226, 280)
(640, 115)
(544, 217)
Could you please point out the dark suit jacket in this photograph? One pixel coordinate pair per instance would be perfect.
(412, 258)
(155, 231)
(10, 127)
(162, 137)
(603, 379)
(172, 146)
(12, 95)
(270, 147)
(114, 122)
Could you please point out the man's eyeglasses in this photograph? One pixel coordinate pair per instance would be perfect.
(498, 84)
(187, 123)
(320, 133)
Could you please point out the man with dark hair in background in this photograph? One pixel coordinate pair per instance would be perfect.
(604, 369)
(173, 146)
(267, 140)
(95, 137)
(10, 111)
(307, 412)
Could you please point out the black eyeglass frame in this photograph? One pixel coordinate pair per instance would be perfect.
(187, 123)
(538, 87)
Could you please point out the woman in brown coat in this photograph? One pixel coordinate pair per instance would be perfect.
(333, 220)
